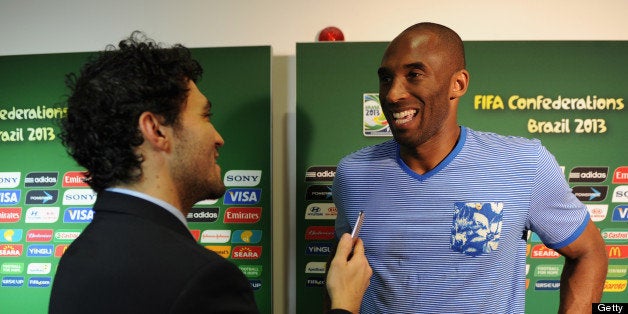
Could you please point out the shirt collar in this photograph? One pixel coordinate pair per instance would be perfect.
(165, 205)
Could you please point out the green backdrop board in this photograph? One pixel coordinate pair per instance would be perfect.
(570, 95)
(44, 205)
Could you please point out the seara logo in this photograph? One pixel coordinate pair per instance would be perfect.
(243, 178)
(242, 196)
(320, 173)
(243, 215)
(11, 250)
(542, 251)
(9, 180)
(246, 252)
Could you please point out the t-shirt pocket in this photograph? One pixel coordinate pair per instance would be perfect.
(476, 227)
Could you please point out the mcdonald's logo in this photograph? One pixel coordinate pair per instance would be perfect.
(617, 251)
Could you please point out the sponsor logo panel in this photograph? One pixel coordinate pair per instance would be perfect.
(256, 284)
(42, 215)
(247, 236)
(10, 235)
(247, 178)
(10, 197)
(320, 173)
(246, 252)
(597, 212)
(590, 193)
(615, 285)
(321, 211)
(615, 235)
(215, 236)
(66, 235)
(196, 234)
(242, 196)
(79, 197)
(41, 179)
(318, 193)
(548, 270)
(10, 214)
(617, 271)
(244, 215)
(620, 195)
(318, 248)
(251, 271)
(11, 250)
(620, 176)
(620, 213)
(617, 251)
(74, 179)
(12, 268)
(41, 197)
(542, 251)
(588, 174)
(39, 268)
(9, 180)
(547, 285)
(60, 249)
(78, 215)
(39, 282)
(40, 250)
(222, 250)
(320, 233)
(315, 281)
(207, 202)
(12, 281)
(203, 214)
(315, 268)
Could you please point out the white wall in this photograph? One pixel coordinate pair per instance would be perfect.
(47, 26)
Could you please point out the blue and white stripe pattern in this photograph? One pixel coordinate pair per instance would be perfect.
(420, 230)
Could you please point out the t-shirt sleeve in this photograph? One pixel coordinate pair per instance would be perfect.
(556, 215)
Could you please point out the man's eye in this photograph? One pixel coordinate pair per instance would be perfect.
(385, 79)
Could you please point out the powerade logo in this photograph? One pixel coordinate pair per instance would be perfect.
(39, 282)
(620, 213)
(318, 193)
(10, 197)
(78, 215)
(41, 179)
(203, 214)
(9, 180)
(243, 178)
(10, 281)
(10, 235)
(547, 285)
(246, 236)
(318, 248)
(42, 197)
(40, 250)
(590, 193)
(242, 196)
(588, 174)
(79, 197)
(320, 173)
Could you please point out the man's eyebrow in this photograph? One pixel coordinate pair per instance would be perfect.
(416, 65)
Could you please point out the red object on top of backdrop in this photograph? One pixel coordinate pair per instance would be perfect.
(331, 33)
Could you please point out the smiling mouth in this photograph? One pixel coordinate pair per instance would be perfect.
(404, 116)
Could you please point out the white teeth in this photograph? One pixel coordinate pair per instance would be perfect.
(404, 116)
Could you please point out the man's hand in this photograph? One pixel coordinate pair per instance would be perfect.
(349, 275)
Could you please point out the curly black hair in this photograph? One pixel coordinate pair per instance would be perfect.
(100, 130)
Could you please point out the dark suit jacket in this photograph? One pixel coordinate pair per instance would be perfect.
(135, 257)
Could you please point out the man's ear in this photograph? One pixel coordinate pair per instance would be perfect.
(459, 84)
(154, 132)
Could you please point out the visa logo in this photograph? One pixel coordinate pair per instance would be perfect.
(242, 196)
(10, 197)
(78, 215)
(40, 250)
(620, 213)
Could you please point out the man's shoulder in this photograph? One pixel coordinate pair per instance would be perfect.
(388, 148)
(494, 140)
